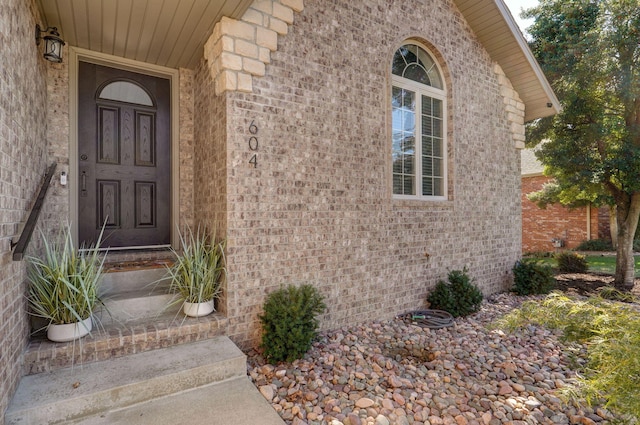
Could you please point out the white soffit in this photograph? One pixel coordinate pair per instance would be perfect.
(169, 33)
(172, 33)
(498, 32)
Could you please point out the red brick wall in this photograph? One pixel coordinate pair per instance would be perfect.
(539, 226)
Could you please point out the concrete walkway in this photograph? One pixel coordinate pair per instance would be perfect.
(236, 402)
(202, 382)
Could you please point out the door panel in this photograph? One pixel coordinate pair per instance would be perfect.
(123, 157)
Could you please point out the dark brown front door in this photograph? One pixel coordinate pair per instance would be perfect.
(124, 166)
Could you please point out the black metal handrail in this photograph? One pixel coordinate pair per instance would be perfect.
(27, 231)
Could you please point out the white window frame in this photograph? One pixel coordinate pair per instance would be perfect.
(435, 93)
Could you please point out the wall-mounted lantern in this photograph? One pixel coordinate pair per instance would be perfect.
(52, 43)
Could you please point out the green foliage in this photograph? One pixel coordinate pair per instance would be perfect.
(530, 277)
(611, 332)
(570, 262)
(613, 294)
(595, 245)
(199, 270)
(459, 296)
(589, 52)
(63, 285)
(289, 322)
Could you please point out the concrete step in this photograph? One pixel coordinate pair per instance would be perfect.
(117, 281)
(235, 401)
(134, 295)
(99, 390)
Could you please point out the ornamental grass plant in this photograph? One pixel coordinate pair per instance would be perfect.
(610, 331)
(64, 282)
(199, 270)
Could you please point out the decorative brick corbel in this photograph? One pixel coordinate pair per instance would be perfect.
(240, 49)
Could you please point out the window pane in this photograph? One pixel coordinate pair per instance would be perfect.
(409, 186)
(434, 77)
(414, 63)
(398, 64)
(437, 167)
(437, 127)
(427, 167)
(438, 187)
(409, 100)
(427, 187)
(427, 146)
(409, 121)
(396, 97)
(437, 148)
(397, 164)
(397, 184)
(125, 91)
(417, 73)
(397, 141)
(409, 165)
(408, 144)
(437, 108)
(427, 129)
(427, 108)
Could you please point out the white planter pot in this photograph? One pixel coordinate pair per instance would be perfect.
(70, 331)
(198, 309)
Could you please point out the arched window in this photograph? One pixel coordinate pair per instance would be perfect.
(125, 91)
(418, 104)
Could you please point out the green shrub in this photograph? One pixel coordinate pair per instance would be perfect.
(289, 322)
(570, 262)
(636, 244)
(530, 277)
(459, 296)
(595, 245)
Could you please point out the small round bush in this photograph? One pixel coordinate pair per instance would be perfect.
(289, 322)
(459, 296)
(530, 277)
(570, 262)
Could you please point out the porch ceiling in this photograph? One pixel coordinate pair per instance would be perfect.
(170, 33)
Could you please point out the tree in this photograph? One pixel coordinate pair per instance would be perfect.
(590, 52)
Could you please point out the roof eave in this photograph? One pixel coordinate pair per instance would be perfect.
(507, 46)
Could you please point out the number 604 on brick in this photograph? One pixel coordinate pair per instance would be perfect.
(253, 143)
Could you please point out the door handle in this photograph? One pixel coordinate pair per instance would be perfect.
(83, 183)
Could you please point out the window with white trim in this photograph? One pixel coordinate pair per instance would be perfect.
(418, 104)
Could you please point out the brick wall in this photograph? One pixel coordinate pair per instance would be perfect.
(186, 154)
(23, 161)
(318, 206)
(539, 226)
(210, 158)
(604, 225)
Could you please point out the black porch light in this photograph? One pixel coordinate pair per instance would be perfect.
(52, 43)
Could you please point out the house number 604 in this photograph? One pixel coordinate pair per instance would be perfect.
(253, 143)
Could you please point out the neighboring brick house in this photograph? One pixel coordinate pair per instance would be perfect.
(288, 126)
(567, 227)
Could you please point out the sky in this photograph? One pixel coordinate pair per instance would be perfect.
(515, 6)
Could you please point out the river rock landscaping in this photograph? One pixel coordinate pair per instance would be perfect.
(397, 373)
